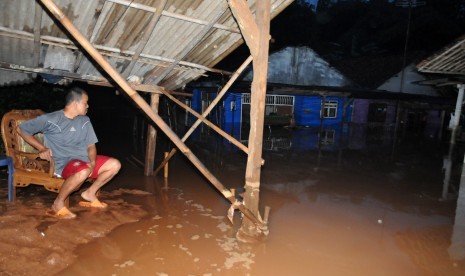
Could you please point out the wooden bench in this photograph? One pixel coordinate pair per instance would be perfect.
(29, 168)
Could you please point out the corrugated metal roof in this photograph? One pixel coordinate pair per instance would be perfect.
(450, 60)
(189, 38)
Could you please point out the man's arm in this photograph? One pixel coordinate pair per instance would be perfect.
(44, 152)
(92, 152)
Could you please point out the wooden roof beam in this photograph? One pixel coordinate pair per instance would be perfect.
(145, 39)
(192, 44)
(66, 43)
(93, 80)
(174, 15)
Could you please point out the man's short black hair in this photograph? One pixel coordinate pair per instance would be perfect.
(74, 94)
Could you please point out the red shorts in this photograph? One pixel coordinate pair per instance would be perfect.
(76, 165)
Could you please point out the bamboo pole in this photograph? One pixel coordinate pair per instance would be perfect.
(208, 110)
(106, 66)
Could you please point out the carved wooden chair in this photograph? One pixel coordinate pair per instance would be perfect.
(28, 167)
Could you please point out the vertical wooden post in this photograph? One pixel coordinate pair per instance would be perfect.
(257, 115)
(151, 143)
(166, 168)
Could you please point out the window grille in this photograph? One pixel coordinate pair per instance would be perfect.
(272, 99)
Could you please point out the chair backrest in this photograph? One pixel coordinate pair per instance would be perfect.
(11, 139)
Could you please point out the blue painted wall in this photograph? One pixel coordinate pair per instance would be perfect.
(307, 111)
(196, 103)
(232, 108)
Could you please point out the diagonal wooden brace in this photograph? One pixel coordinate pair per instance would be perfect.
(208, 110)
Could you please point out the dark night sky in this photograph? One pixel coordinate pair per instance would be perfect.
(365, 40)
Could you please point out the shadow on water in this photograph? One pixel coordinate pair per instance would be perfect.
(352, 200)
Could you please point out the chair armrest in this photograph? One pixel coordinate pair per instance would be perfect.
(32, 161)
(26, 154)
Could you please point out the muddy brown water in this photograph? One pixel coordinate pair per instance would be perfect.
(336, 209)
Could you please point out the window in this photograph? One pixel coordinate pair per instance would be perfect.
(330, 109)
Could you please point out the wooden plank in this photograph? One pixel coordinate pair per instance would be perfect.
(247, 25)
(151, 139)
(106, 66)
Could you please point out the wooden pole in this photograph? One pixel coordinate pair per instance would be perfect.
(208, 110)
(258, 45)
(151, 139)
(166, 170)
(106, 66)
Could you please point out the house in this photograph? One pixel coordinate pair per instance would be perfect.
(304, 91)
(290, 100)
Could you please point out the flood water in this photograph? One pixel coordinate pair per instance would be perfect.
(354, 203)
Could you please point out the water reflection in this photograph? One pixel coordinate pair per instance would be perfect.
(375, 144)
(345, 200)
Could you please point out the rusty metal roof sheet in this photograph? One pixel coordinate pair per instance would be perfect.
(184, 42)
(450, 60)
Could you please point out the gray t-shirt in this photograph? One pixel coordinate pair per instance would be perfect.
(67, 138)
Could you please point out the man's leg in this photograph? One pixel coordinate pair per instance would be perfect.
(71, 184)
(105, 173)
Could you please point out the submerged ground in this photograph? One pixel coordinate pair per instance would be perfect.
(354, 204)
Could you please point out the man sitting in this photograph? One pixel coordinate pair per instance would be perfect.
(70, 140)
